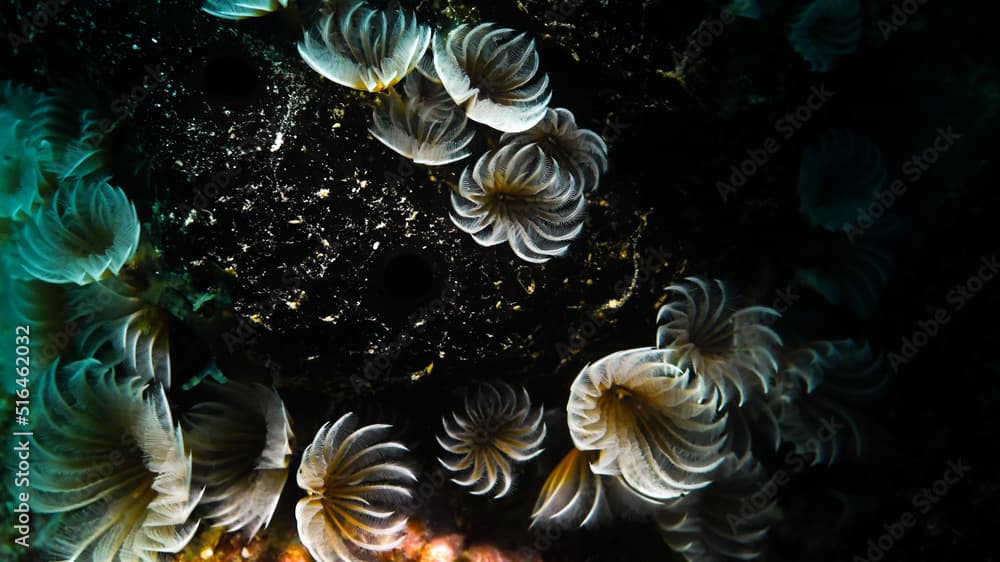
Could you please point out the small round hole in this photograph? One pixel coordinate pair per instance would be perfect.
(407, 277)
(230, 76)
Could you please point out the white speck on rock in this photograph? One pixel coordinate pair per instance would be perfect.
(279, 139)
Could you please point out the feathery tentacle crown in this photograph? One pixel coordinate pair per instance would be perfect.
(493, 73)
(89, 231)
(580, 152)
(353, 480)
(652, 423)
(731, 347)
(518, 195)
(841, 174)
(719, 522)
(24, 158)
(499, 428)
(44, 139)
(241, 447)
(241, 9)
(574, 496)
(42, 306)
(119, 323)
(422, 124)
(826, 31)
(364, 48)
(112, 462)
(825, 384)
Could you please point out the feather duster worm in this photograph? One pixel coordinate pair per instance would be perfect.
(44, 138)
(24, 158)
(519, 195)
(353, 479)
(110, 460)
(498, 428)
(650, 422)
(241, 447)
(827, 30)
(719, 522)
(731, 347)
(852, 276)
(42, 307)
(824, 381)
(422, 124)
(118, 322)
(241, 9)
(88, 232)
(840, 175)
(75, 134)
(493, 73)
(573, 496)
(363, 48)
(581, 152)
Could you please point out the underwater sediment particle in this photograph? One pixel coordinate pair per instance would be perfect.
(353, 479)
(519, 195)
(827, 30)
(719, 522)
(732, 347)
(824, 381)
(364, 48)
(109, 459)
(498, 428)
(492, 72)
(422, 124)
(119, 321)
(241, 9)
(651, 422)
(841, 174)
(581, 152)
(89, 231)
(573, 496)
(241, 446)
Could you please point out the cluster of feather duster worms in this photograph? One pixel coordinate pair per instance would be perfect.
(529, 191)
(669, 432)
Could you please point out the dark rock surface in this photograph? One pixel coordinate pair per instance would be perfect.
(339, 278)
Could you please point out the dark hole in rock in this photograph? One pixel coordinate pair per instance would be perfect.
(407, 277)
(230, 76)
